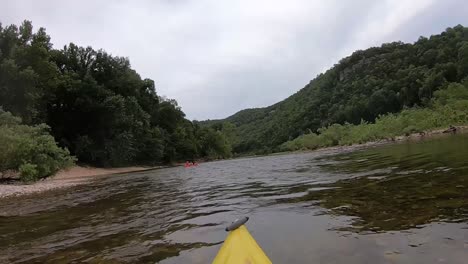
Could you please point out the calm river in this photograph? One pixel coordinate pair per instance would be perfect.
(400, 203)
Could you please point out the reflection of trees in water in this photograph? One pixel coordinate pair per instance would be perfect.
(118, 252)
(134, 217)
(72, 210)
(443, 152)
(399, 203)
(118, 215)
(399, 186)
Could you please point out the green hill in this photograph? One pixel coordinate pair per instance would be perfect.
(369, 83)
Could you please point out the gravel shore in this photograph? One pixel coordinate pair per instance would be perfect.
(67, 178)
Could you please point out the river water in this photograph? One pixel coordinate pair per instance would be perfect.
(399, 203)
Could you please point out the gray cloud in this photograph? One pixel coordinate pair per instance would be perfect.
(218, 57)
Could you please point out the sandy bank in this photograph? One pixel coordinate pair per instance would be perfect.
(66, 178)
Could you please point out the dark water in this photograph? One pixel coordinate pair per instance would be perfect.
(403, 203)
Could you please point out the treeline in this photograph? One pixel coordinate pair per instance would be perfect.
(360, 88)
(448, 107)
(95, 104)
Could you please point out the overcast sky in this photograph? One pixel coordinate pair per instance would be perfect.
(217, 57)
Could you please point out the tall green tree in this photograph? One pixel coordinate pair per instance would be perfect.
(96, 105)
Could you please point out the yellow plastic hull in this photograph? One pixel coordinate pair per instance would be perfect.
(241, 248)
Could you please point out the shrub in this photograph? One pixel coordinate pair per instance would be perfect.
(31, 150)
(28, 172)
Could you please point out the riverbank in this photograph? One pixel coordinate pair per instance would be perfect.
(74, 176)
(430, 134)
(439, 132)
(411, 137)
(79, 175)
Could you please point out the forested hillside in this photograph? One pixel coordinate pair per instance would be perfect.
(360, 87)
(95, 104)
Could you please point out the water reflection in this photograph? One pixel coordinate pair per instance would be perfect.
(405, 203)
(398, 187)
(405, 186)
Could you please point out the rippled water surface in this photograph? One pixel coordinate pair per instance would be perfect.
(401, 203)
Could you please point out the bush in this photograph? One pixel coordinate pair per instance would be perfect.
(307, 141)
(31, 150)
(28, 172)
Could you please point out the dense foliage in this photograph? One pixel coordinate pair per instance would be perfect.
(96, 105)
(449, 107)
(31, 150)
(359, 88)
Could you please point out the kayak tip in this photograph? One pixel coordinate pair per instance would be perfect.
(237, 223)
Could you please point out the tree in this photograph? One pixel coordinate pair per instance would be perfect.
(463, 60)
(96, 105)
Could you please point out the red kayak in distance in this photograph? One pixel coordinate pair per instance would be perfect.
(189, 164)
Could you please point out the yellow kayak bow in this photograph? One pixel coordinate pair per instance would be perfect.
(240, 247)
